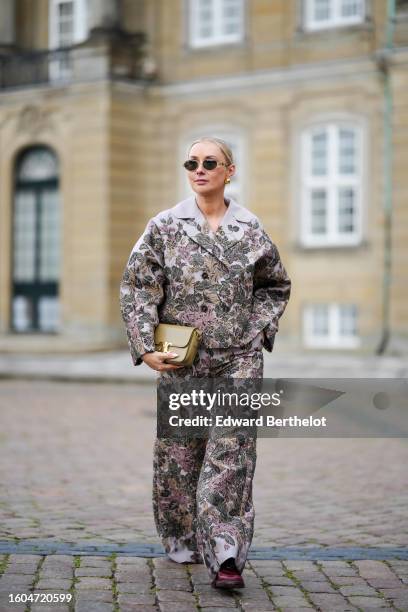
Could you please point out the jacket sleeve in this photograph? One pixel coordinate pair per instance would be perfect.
(142, 291)
(272, 287)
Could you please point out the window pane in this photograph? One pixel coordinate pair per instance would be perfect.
(321, 10)
(347, 210)
(48, 313)
(22, 313)
(351, 8)
(320, 320)
(205, 19)
(65, 29)
(348, 319)
(318, 211)
(231, 8)
(37, 165)
(50, 236)
(65, 24)
(24, 237)
(231, 16)
(65, 9)
(205, 13)
(205, 31)
(230, 27)
(347, 151)
(319, 153)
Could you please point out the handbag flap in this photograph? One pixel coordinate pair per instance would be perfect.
(178, 335)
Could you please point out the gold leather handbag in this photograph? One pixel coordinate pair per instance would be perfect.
(181, 339)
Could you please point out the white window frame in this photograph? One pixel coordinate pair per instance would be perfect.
(80, 30)
(334, 339)
(336, 20)
(237, 188)
(60, 67)
(331, 182)
(218, 38)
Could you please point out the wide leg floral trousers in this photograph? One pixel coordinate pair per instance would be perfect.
(202, 487)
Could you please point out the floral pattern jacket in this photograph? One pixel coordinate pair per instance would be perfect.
(231, 284)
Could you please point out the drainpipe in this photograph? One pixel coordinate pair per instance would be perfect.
(384, 65)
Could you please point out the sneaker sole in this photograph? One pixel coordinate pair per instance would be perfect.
(228, 584)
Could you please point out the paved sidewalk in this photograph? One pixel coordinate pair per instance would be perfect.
(116, 583)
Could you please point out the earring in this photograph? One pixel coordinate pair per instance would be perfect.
(227, 180)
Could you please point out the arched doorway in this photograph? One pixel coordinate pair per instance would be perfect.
(36, 242)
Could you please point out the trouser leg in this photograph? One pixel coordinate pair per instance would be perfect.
(224, 500)
(176, 470)
(225, 510)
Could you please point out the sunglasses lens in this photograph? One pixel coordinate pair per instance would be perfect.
(210, 164)
(190, 164)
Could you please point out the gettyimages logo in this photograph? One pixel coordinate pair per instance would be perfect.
(296, 407)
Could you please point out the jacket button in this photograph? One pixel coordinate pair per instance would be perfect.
(204, 308)
(205, 275)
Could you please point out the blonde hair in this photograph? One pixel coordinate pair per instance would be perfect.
(221, 144)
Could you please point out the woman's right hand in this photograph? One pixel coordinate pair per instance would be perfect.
(156, 361)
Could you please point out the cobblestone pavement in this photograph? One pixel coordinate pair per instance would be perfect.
(75, 467)
(127, 583)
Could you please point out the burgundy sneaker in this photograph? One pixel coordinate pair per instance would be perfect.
(228, 577)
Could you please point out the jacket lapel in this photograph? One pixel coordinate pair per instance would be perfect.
(230, 232)
(193, 222)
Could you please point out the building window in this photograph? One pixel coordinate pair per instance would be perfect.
(236, 188)
(215, 22)
(67, 22)
(36, 243)
(331, 185)
(68, 25)
(330, 326)
(322, 14)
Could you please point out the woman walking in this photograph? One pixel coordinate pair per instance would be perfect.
(208, 263)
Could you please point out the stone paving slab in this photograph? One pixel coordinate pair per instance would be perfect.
(260, 594)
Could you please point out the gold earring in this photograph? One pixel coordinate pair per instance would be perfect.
(227, 180)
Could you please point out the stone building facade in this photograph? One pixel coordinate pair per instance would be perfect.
(98, 102)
